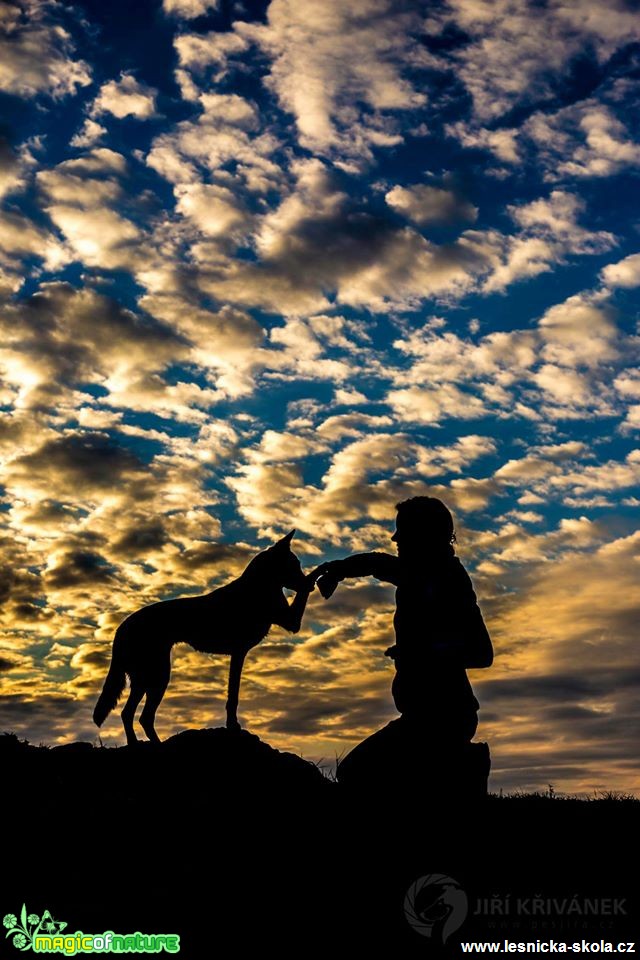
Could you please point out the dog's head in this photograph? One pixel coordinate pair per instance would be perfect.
(285, 565)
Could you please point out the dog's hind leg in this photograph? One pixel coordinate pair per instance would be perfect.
(155, 694)
(148, 715)
(129, 711)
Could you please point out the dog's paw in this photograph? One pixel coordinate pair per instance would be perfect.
(310, 582)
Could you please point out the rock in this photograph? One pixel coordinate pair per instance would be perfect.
(399, 758)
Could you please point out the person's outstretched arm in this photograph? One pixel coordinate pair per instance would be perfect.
(382, 566)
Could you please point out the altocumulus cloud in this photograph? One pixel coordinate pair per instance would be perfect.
(285, 264)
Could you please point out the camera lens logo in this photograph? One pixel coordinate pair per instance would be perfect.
(435, 906)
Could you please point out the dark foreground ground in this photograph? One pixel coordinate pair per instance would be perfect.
(241, 849)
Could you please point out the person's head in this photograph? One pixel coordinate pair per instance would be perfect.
(423, 523)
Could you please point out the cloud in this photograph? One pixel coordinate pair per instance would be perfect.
(21, 239)
(363, 479)
(198, 51)
(609, 475)
(267, 494)
(81, 206)
(62, 337)
(341, 70)
(624, 273)
(582, 140)
(75, 464)
(563, 367)
(503, 142)
(585, 740)
(62, 185)
(189, 9)
(575, 610)
(567, 470)
(300, 348)
(558, 215)
(628, 383)
(95, 161)
(540, 463)
(433, 461)
(549, 230)
(95, 512)
(45, 718)
(21, 236)
(89, 134)
(462, 378)
(504, 67)
(35, 53)
(582, 346)
(319, 240)
(513, 544)
(579, 332)
(350, 425)
(631, 422)
(226, 134)
(77, 568)
(426, 204)
(276, 447)
(608, 29)
(126, 97)
(98, 237)
(503, 64)
(427, 405)
(225, 344)
(215, 210)
(12, 169)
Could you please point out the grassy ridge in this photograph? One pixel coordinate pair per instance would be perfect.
(219, 837)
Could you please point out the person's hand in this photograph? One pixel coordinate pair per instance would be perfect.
(327, 578)
(326, 585)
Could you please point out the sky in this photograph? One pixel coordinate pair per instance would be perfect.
(276, 265)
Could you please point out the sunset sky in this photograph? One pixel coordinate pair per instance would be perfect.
(275, 265)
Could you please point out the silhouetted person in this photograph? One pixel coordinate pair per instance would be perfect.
(439, 628)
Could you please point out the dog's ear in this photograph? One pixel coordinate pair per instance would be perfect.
(286, 541)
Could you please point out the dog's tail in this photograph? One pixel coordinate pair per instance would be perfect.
(113, 684)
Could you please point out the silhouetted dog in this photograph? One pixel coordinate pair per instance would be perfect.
(230, 620)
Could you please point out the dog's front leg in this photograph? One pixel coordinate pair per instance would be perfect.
(298, 605)
(235, 672)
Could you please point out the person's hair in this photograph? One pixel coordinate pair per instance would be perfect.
(430, 514)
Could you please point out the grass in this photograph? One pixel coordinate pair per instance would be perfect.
(598, 796)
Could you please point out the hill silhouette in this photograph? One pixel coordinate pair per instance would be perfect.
(221, 838)
(201, 765)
